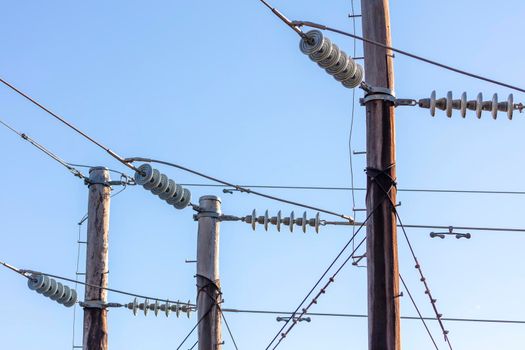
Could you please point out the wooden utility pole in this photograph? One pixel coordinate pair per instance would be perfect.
(383, 274)
(208, 283)
(95, 315)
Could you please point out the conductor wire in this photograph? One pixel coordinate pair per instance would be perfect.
(240, 188)
(418, 312)
(283, 335)
(26, 272)
(74, 171)
(64, 121)
(285, 20)
(408, 54)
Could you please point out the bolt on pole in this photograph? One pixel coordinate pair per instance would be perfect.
(208, 283)
(95, 319)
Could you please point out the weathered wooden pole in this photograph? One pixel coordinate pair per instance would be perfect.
(383, 274)
(208, 283)
(95, 317)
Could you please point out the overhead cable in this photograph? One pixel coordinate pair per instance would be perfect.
(341, 252)
(419, 312)
(24, 136)
(342, 188)
(64, 121)
(346, 315)
(425, 284)
(239, 188)
(296, 25)
(26, 273)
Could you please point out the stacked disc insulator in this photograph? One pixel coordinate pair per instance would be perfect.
(449, 104)
(335, 61)
(52, 289)
(278, 220)
(160, 185)
(156, 307)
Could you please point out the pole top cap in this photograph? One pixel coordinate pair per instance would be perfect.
(210, 198)
(97, 168)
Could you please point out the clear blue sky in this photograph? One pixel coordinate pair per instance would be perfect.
(222, 87)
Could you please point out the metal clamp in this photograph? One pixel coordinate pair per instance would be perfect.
(374, 97)
(206, 214)
(378, 93)
(98, 304)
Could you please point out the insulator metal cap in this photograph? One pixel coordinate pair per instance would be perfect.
(312, 42)
(144, 174)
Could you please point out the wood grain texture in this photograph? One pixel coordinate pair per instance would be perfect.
(95, 320)
(382, 258)
(208, 282)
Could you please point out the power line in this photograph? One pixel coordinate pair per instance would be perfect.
(295, 26)
(320, 279)
(419, 312)
(26, 274)
(64, 121)
(350, 134)
(346, 315)
(411, 55)
(342, 188)
(424, 281)
(472, 228)
(25, 137)
(239, 188)
(228, 328)
(194, 327)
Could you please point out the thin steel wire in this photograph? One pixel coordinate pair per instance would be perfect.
(194, 327)
(240, 188)
(295, 25)
(323, 276)
(15, 269)
(99, 287)
(321, 291)
(470, 228)
(77, 274)
(64, 121)
(354, 213)
(419, 312)
(423, 280)
(25, 137)
(417, 264)
(335, 188)
(228, 328)
(344, 315)
(408, 54)
(130, 179)
(193, 346)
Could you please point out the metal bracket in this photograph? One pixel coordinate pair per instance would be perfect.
(93, 304)
(378, 93)
(385, 94)
(206, 214)
(380, 90)
(97, 304)
(374, 97)
(107, 183)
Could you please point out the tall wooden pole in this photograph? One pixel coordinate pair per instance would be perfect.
(95, 319)
(208, 283)
(383, 274)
